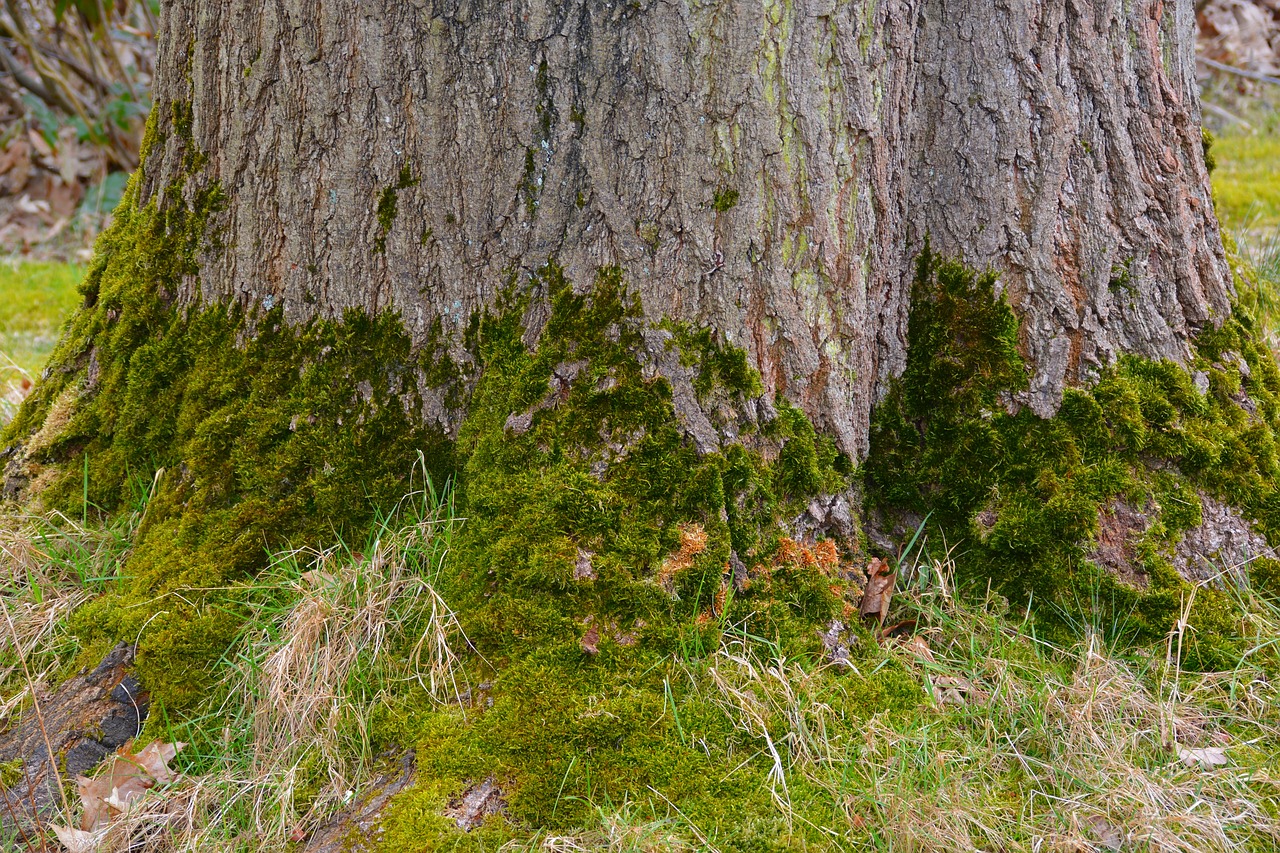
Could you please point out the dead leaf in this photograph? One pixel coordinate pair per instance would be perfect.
(155, 758)
(317, 578)
(1103, 833)
(878, 592)
(78, 840)
(126, 778)
(1206, 757)
(590, 641)
(954, 690)
(919, 647)
(38, 142)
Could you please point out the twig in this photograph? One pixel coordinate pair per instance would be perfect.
(1227, 114)
(1239, 72)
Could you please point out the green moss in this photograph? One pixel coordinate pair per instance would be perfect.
(595, 568)
(598, 465)
(725, 200)
(387, 204)
(1025, 493)
(267, 435)
(717, 366)
(570, 736)
(1206, 143)
(1264, 577)
(11, 773)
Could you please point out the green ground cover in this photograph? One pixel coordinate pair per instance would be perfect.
(35, 300)
(1246, 181)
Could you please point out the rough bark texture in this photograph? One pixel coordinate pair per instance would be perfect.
(768, 170)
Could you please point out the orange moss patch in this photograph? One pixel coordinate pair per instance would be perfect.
(820, 555)
(693, 541)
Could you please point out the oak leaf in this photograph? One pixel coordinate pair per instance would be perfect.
(878, 592)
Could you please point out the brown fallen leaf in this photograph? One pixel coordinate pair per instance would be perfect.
(878, 592)
(954, 690)
(919, 647)
(1105, 835)
(123, 782)
(155, 758)
(78, 840)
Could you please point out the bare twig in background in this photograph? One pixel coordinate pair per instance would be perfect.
(87, 62)
(1239, 72)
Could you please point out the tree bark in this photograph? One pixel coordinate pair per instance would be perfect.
(766, 170)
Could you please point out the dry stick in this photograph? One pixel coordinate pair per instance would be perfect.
(35, 701)
(1239, 72)
(55, 96)
(1226, 114)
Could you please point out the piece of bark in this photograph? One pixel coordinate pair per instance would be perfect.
(87, 718)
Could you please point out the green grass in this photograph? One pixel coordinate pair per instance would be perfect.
(1246, 187)
(1247, 180)
(35, 300)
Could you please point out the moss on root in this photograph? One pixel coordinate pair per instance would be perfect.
(248, 434)
(1024, 494)
(579, 484)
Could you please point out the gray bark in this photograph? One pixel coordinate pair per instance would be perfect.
(1056, 142)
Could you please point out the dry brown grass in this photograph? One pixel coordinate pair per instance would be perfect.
(1054, 749)
(295, 720)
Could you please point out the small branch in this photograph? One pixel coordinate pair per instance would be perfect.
(1239, 72)
(31, 84)
(1226, 114)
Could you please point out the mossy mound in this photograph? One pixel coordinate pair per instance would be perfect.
(1021, 496)
(582, 492)
(243, 434)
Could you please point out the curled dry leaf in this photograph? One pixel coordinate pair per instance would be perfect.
(1103, 833)
(954, 690)
(1206, 757)
(79, 840)
(919, 647)
(126, 778)
(878, 592)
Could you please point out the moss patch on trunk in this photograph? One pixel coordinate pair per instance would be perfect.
(1024, 495)
(591, 514)
(242, 433)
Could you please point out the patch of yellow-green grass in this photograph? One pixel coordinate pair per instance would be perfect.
(1247, 180)
(35, 300)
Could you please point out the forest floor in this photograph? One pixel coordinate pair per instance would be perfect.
(352, 683)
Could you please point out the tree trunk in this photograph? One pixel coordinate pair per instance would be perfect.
(660, 281)
(768, 171)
